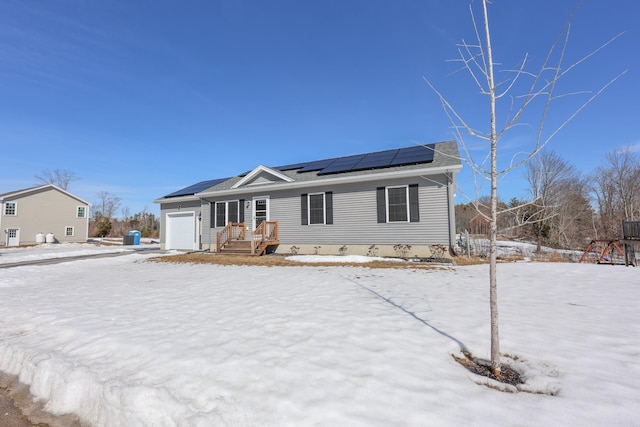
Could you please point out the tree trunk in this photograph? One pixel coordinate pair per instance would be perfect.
(493, 232)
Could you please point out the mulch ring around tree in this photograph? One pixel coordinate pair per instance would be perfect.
(482, 367)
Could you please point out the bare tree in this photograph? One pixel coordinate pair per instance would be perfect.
(59, 177)
(559, 213)
(548, 176)
(616, 186)
(575, 216)
(524, 92)
(107, 205)
(605, 193)
(625, 167)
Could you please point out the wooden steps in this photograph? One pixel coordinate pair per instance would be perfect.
(243, 247)
(236, 247)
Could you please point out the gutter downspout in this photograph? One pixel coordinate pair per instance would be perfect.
(451, 185)
(1, 215)
(200, 226)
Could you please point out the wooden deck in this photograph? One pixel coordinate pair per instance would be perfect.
(233, 240)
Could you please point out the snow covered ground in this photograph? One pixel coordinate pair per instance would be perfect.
(129, 342)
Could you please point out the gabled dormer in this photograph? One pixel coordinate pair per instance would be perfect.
(262, 175)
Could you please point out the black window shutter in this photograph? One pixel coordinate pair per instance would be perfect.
(381, 204)
(328, 206)
(303, 210)
(241, 214)
(414, 210)
(212, 219)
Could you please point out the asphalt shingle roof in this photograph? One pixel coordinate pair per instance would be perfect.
(438, 155)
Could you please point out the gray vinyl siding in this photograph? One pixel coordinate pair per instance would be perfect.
(263, 178)
(354, 216)
(355, 219)
(208, 231)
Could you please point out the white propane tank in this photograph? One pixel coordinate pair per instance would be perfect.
(51, 238)
(40, 238)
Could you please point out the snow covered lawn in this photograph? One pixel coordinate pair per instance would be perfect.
(128, 342)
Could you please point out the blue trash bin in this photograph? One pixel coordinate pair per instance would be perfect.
(136, 236)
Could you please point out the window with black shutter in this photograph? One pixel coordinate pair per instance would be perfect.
(397, 203)
(316, 208)
(226, 212)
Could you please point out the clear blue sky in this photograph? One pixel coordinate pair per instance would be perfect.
(141, 98)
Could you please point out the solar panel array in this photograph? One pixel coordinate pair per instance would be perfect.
(196, 188)
(376, 160)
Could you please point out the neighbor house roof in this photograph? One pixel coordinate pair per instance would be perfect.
(23, 191)
(418, 159)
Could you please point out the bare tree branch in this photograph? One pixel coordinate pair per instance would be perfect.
(58, 177)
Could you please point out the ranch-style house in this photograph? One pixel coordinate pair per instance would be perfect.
(385, 203)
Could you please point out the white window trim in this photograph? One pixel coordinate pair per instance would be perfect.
(78, 211)
(73, 231)
(226, 211)
(406, 189)
(15, 209)
(324, 208)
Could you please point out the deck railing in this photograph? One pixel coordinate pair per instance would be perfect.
(266, 232)
(233, 230)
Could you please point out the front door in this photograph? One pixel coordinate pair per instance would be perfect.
(260, 210)
(13, 237)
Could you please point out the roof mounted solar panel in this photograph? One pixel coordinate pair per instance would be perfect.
(375, 160)
(196, 188)
(292, 166)
(316, 166)
(342, 164)
(414, 155)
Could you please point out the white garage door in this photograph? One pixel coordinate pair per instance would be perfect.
(181, 231)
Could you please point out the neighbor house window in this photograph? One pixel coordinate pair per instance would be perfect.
(69, 231)
(398, 203)
(317, 208)
(11, 208)
(226, 212)
(82, 212)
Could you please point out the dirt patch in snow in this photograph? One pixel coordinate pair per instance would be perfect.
(482, 367)
(19, 408)
(282, 261)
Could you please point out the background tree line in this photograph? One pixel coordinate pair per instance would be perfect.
(104, 220)
(565, 208)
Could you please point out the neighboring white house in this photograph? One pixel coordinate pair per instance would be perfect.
(362, 204)
(33, 214)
